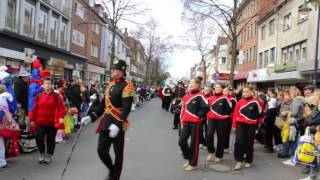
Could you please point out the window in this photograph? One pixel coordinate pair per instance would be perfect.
(53, 31)
(65, 6)
(261, 59)
(11, 15)
(78, 38)
(223, 60)
(255, 53)
(28, 19)
(266, 58)
(297, 53)
(287, 22)
(63, 35)
(42, 26)
(284, 55)
(79, 10)
(272, 55)
(250, 54)
(94, 50)
(247, 57)
(302, 17)
(95, 26)
(291, 54)
(263, 32)
(271, 27)
(304, 52)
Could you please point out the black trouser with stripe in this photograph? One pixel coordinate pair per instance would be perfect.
(104, 144)
(229, 127)
(47, 133)
(243, 150)
(191, 152)
(219, 126)
(203, 131)
(176, 120)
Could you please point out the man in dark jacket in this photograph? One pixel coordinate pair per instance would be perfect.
(21, 86)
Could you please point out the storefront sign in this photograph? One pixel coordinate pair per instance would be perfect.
(57, 62)
(96, 69)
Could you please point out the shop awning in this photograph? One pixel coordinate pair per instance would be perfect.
(261, 75)
(241, 76)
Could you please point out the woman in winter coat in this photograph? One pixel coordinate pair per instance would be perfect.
(48, 114)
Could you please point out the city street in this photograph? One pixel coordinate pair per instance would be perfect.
(151, 153)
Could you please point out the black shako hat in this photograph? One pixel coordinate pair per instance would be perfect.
(119, 65)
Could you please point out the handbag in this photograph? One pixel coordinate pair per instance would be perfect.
(279, 122)
(306, 152)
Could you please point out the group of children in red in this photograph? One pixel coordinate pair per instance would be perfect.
(220, 112)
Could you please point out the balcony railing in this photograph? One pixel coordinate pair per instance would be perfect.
(289, 66)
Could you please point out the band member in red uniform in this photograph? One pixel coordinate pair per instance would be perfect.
(230, 94)
(179, 92)
(220, 111)
(246, 118)
(194, 108)
(207, 91)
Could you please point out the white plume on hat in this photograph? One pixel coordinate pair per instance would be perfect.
(3, 73)
(23, 72)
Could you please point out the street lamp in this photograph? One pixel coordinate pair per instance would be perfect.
(305, 10)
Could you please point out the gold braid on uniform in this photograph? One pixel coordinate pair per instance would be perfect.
(129, 90)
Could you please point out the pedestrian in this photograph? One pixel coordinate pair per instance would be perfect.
(48, 113)
(21, 86)
(116, 106)
(167, 94)
(246, 118)
(75, 98)
(272, 132)
(178, 94)
(230, 94)
(207, 91)
(220, 111)
(194, 108)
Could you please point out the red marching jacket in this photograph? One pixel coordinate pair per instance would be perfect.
(248, 111)
(220, 107)
(194, 107)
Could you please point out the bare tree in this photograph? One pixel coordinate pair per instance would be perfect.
(156, 44)
(228, 18)
(121, 10)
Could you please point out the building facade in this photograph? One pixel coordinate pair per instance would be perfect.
(286, 48)
(31, 29)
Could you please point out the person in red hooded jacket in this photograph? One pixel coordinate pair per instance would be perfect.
(194, 108)
(220, 111)
(48, 114)
(246, 118)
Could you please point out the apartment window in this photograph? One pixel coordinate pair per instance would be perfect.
(251, 30)
(250, 54)
(303, 52)
(255, 53)
(94, 50)
(271, 27)
(53, 30)
(291, 54)
(261, 59)
(302, 17)
(63, 35)
(11, 14)
(79, 10)
(284, 55)
(266, 57)
(297, 53)
(95, 26)
(28, 19)
(223, 60)
(287, 22)
(42, 26)
(247, 57)
(65, 6)
(272, 55)
(263, 32)
(78, 38)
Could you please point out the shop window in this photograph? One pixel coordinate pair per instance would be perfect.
(11, 15)
(42, 26)
(28, 19)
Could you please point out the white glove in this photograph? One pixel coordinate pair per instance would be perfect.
(114, 130)
(86, 120)
(93, 97)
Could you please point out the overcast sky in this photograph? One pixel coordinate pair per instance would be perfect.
(168, 13)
